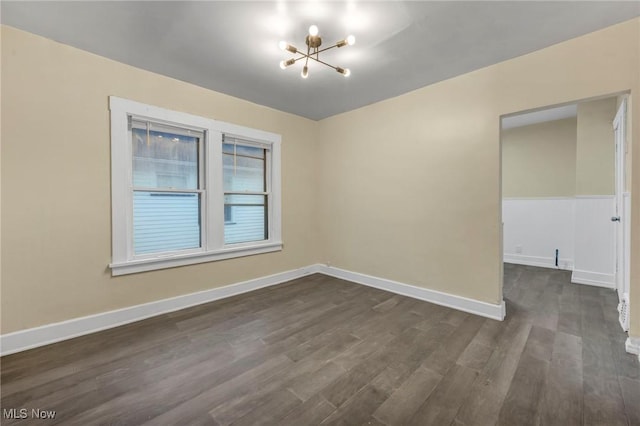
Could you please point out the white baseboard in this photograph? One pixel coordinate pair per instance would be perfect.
(460, 303)
(593, 278)
(543, 262)
(577, 277)
(632, 345)
(39, 336)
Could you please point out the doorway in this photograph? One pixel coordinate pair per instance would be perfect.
(565, 198)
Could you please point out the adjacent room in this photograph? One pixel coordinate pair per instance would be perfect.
(566, 195)
(313, 212)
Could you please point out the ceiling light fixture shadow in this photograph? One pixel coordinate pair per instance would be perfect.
(313, 42)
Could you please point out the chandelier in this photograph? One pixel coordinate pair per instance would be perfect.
(314, 41)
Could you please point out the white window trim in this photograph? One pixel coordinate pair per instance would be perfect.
(213, 247)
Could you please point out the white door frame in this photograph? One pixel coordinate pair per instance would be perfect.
(622, 216)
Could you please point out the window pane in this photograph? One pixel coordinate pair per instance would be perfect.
(165, 221)
(164, 160)
(243, 174)
(248, 214)
(248, 151)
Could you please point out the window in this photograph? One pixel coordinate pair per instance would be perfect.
(245, 191)
(167, 187)
(188, 189)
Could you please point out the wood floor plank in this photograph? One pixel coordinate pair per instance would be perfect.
(268, 410)
(484, 402)
(631, 395)
(358, 408)
(312, 412)
(521, 405)
(446, 355)
(309, 384)
(186, 388)
(393, 321)
(96, 390)
(475, 356)
(387, 367)
(540, 343)
(352, 357)
(443, 403)
(373, 422)
(603, 400)
(562, 397)
(348, 384)
(311, 326)
(406, 400)
(387, 304)
(311, 371)
(201, 400)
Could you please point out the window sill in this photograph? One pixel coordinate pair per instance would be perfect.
(135, 266)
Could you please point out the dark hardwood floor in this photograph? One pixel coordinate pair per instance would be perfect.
(321, 350)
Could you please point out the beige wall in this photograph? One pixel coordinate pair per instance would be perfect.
(56, 184)
(407, 188)
(564, 157)
(539, 160)
(410, 187)
(595, 160)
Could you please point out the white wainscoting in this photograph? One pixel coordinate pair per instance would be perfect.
(539, 226)
(594, 262)
(579, 227)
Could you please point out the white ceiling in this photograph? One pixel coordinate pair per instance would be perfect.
(231, 47)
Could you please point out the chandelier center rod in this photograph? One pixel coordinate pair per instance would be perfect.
(313, 41)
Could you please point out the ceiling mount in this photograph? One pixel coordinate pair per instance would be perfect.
(313, 42)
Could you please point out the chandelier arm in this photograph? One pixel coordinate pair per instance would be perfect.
(324, 63)
(327, 48)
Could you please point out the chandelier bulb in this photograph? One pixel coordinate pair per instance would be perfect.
(305, 72)
(282, 45)
(285, 64)
(344, 71)
(313, 30)
(351, 40)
